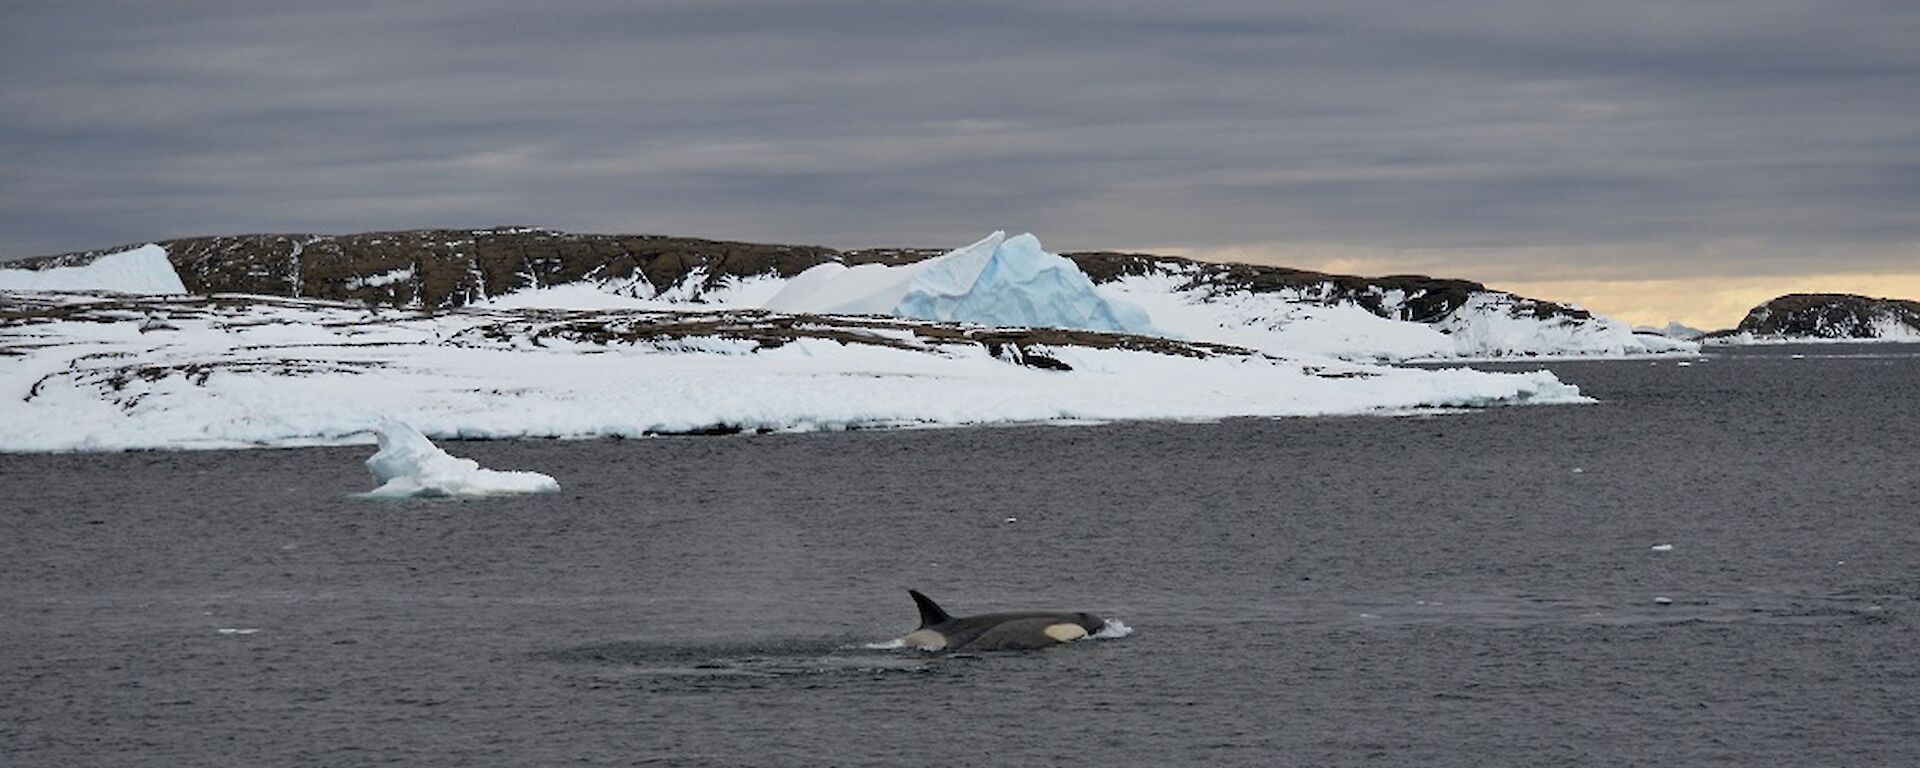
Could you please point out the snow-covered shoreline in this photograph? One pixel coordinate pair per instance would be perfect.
(1487, 326)
(1270, 309)
(77, 373)
(1751, 340)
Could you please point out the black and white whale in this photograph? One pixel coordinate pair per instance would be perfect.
(1027, 630)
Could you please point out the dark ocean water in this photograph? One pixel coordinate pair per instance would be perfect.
(1462, 589)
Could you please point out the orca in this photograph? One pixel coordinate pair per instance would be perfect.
(1022, 631)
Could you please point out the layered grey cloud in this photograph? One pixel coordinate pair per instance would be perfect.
(1527, 136)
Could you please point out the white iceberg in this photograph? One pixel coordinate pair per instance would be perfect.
(998, 281)
(409, 465)
(142, 270)
(1673, 330)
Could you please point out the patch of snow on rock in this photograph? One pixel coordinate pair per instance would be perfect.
(382, 280)
(577, 296)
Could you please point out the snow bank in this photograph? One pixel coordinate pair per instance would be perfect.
(409, 465)
(1306, 320)
(1491, 325)
(636, 293)
(997, 282)
(289, 372)
(143, 270)
(1277, 322)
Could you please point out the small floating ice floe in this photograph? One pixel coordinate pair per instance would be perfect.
(1663, 601)
(1662, 547)
(1579, 471)
(409, 465)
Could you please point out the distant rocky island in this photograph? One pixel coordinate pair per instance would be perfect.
(1828, 317)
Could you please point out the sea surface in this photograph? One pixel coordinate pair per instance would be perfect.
(1461, 589)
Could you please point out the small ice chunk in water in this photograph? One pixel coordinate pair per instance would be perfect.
(1663, 601)
(410, 465)
(1662, 547)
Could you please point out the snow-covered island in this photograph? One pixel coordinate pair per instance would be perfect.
(1269, 308)
(1802, 318)
(529, 333)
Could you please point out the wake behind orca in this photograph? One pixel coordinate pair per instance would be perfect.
(1021, 631)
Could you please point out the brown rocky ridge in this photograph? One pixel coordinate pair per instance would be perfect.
(444, 269)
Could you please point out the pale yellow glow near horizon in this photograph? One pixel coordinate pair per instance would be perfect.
(1702, 302)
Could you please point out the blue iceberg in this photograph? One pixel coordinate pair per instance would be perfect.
(1004, 281)
(998, 281)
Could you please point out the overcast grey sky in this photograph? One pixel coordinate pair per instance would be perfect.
(1490, 140)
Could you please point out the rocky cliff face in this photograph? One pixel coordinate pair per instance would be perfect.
(1830, 316)
(452, 268)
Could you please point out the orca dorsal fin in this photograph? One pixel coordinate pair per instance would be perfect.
(930, 612)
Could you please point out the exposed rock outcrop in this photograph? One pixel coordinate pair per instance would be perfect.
(1826, 317)
(443, 269)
